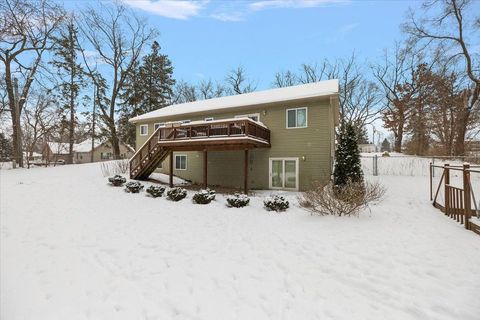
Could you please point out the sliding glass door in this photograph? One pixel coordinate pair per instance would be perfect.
(283, 173)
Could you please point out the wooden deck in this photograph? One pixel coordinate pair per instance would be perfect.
(221, 135)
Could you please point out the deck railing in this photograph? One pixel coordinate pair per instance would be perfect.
(215, 129)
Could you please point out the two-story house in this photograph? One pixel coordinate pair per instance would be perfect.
(274, 139)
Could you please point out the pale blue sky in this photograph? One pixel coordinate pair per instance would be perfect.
(205, 39)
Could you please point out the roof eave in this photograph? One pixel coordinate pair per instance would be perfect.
(248, 106)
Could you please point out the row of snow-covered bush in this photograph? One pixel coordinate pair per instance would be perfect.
(204, 196)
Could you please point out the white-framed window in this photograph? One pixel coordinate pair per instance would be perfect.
(296, 118)
(253, 116)
(158, 125)
(186, 121)
(144, 129)
(209, 119)
(180, 162)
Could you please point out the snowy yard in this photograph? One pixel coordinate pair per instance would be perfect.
(73, 247)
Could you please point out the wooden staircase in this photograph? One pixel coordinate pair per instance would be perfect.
(148, 157)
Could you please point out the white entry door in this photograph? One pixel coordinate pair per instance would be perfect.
(283, 173)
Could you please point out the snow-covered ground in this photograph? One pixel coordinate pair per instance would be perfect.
(73, 247)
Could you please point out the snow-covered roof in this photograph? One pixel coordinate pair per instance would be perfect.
(86, 146)
(58, 147)
(299, 92)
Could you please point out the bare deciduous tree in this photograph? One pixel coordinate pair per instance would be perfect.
(40, 118)
(237, 82)
(25, 35)
(118, 37)
(396, 70)
(359, 97)
(184, 92)
(208, 89)
(285, 79)
(445, 22)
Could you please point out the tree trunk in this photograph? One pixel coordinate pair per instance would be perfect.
(399, 138)
(115, 144)
(71, 128)
(16, 127)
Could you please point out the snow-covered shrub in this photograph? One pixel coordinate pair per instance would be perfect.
(276, 203)
(117, 180)
(351, 199)
(155, 191)
(238, 200)
(204, 196)
(176, 194)
(385, 154)
(133, 187)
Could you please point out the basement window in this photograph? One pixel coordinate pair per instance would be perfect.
(181, 162)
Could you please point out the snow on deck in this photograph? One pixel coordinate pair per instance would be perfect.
(73, 247)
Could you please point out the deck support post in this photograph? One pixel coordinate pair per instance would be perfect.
(205, 168)
(171, 170)
(245, 182)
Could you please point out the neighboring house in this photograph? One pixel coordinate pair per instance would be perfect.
(102, 151)
(367, 147)
(55, 151)
(82, 152)
(275, 139)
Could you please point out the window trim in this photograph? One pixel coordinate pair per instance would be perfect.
(186, 161)
(208, 119)
(143, 126)
(257, 114)
(185, 121)
(296, 127)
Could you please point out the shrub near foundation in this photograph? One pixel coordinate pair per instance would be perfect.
(155, 191)
(133, 187)
(238, 200)
(117, 180)
(204, 196)
(176, 194)
(276, 203)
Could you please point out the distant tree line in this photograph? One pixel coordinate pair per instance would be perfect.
(69, 76)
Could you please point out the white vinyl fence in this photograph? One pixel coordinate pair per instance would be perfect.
(400, 165)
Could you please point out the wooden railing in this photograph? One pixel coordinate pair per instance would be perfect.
(459, 203)
(188, 132)
(215, 129)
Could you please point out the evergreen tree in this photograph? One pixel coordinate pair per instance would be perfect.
(149, 86)
(156, 76)
(71, 74)
(385, 146)
(362, 134)
(130, 107)
(347, 157)
(6, 149)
